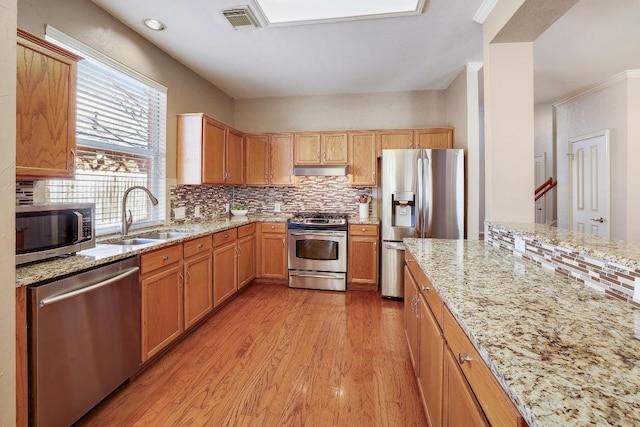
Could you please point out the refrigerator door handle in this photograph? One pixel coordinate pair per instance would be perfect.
(427, 195)
(394, 246)
(419, 193)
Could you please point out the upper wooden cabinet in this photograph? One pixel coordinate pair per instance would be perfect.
(362, 152)
(414, 138)
(45, 109)
(434, 138)
(269, 159)
(209, 152)
(330, 148)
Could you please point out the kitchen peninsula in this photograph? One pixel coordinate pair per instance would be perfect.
(564, 353)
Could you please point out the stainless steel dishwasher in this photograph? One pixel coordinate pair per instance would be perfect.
(84, 338)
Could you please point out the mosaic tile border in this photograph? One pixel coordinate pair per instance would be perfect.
(614, 280)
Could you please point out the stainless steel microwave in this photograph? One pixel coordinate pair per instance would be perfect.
(47, 231)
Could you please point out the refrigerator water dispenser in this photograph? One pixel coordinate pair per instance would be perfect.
(404, 209)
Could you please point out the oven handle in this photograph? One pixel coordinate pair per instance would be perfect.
(316, 276)
(318, 233)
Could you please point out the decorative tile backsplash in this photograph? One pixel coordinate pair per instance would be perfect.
(24, 193)
(313, 193)
(616, 281)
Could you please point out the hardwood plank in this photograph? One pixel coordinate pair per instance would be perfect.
(279, 356)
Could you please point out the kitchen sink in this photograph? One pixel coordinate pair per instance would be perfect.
(134, 242)
(165, 235)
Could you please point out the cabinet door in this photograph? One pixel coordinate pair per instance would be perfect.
(213, 152)
(235, 158)
(307, 149)
(461, 408)
(363, 261)
(411, 324)
(274, 256)
(225, 276)
(246, 261)
(45, 111)
(435, 138)
(256, 154)
(281, 160)
(335, 149)
(431, 364)
(395, 140)
(362, 151)
(198, 291)
(161, 310)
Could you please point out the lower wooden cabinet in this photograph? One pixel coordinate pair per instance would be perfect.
(225, 267)
(461, 408)
(457, 387)
(363, 257)
(198, 290)
(273, 251)
(246, 260)
(162, 305)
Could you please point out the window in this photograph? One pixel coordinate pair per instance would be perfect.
(120, 138)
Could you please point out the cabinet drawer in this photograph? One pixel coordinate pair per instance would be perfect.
(196, 246)
(425, 287)
(246, 230)
(273, 227)
(161, 258)
(494, 401)
(222, 237)
(363, 230)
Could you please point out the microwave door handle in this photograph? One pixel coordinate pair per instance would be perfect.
(80, 219)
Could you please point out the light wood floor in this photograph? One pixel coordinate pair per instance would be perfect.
(279, 357)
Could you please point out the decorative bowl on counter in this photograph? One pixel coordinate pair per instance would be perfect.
(239, 210)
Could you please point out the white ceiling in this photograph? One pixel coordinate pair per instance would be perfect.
(595, 40)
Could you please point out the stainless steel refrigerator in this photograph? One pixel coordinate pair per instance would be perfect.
(421, 195)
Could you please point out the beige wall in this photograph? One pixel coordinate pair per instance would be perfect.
(7, 212)
(83, 20)
(463, 115)
(633, 158)
(342, 112)
(595, 111)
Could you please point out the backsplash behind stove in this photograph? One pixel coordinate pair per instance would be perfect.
(313, 193)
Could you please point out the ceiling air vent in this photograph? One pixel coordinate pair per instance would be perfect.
(241, 17)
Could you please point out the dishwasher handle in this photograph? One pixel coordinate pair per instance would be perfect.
(126, 273)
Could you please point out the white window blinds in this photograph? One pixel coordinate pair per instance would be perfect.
(121, 141)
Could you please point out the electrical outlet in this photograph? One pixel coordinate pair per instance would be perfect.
(277, 207)
(519, 244)
(226, 208)
(196, 212)
(180, 213)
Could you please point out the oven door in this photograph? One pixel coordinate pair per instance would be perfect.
(317, 250)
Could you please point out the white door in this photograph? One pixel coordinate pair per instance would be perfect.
(540, 172)
(590, 183)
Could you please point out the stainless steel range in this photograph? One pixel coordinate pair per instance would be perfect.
(318, 250)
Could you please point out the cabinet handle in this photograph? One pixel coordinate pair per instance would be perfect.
(364, 229)
(325, 156)
(273, 226)
(165, 258)
(463, 359)
(425, 288)
(373, 176)
(188, 276)
(283, 242)
(181, 277)
(265, 177)
(226, 236)
(200, 246)
(375, 245)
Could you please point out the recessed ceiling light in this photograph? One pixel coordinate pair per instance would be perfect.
(154, 24)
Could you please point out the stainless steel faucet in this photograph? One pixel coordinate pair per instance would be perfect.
(126, 222)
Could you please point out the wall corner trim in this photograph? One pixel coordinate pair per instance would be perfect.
(617, 78)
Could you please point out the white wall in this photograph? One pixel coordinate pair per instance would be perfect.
(595, 111)
(633, 157)
(544, 144)
(86, 22)
(342, 112)
(463, 116)
(7, 212)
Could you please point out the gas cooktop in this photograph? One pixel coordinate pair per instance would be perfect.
(319, 220)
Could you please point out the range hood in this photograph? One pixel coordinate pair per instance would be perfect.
(320, 170)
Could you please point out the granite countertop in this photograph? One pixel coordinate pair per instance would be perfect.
(105, 252)
(564, 353)
(613, 250)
